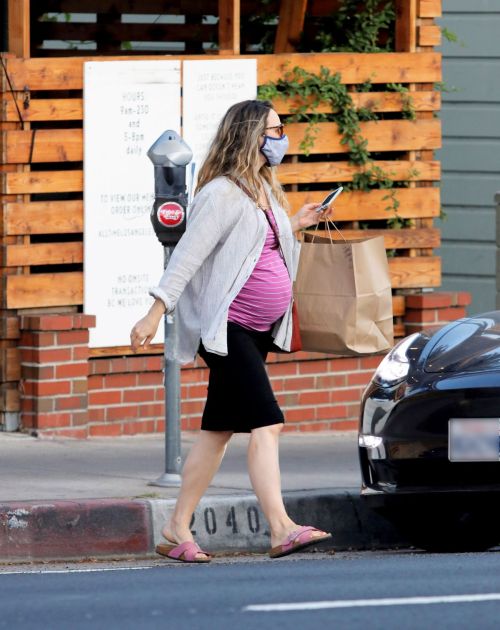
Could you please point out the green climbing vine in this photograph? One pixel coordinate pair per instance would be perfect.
(355, 28)
(408, 110)
(310, 90)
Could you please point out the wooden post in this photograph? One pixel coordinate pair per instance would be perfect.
(229, 27)
(291, 23)
(428, 36)
(19, 27)
(406, 25)
(105, 42)
(408, 35)
(406, 41)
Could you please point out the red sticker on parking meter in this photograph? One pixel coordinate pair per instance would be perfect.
(170, 214)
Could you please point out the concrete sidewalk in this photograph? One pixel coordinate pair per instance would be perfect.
(79, 499)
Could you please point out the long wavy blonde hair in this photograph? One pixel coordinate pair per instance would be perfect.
(235, 152)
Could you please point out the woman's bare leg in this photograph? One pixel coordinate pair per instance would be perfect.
(200, 466)
(264, 470)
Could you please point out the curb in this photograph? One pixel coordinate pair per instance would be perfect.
(73, 530)
(50, 530)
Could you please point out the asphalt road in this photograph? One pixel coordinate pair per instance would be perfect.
(307, 591)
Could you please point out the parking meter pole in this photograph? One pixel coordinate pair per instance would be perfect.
(170, 155)
(172, 382)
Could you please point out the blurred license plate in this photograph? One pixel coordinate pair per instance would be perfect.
(474, 440)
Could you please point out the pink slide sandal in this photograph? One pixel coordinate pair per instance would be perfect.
(299, 539)
(185, 552)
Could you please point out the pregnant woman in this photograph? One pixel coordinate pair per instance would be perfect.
(230, 282)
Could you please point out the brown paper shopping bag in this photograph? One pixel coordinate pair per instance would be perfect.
(343, 294)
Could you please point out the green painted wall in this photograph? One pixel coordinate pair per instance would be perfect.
(470, 155)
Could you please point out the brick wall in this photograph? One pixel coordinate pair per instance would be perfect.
(54, 373)
(65, 392)
(434, 309)
(126, 395)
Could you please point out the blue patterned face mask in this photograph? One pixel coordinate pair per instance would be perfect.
(274, 149)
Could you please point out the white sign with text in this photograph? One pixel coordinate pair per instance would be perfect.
(209, 89)
(127, 105)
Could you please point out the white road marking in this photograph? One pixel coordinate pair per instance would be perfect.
(93, 570)
(390, 601)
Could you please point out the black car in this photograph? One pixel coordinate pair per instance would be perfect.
(429, 435)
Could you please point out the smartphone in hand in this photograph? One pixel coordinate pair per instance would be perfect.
(328, 200)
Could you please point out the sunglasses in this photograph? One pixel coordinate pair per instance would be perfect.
(280, 129)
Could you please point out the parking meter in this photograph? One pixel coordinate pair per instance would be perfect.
(170, 156)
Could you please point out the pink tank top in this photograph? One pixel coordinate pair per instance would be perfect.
(266, 295)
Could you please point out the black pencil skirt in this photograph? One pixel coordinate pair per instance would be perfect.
(240, 397)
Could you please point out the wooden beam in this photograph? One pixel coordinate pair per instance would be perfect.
(41, 182)
(114, 32)
(12, 183)
(66, 217)
(45, 254)
(45, 109)
(66, 145)
(43, 217)
(10, 397)
(374, 206)
(66, 73)
(415, 272)
(429, 35)
(9, 327)
(406, 25)
(18, 30)
(43, 289)
(44, 145)
(323, 172)
(181, 7)
(10, 364)
(375, 101)
(290, 25)
(406, 238)
(229, 27)
(19, 27)
(430, 8)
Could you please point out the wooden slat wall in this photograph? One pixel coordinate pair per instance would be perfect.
(41, 176)
(66, 145)
(63, 145)
(429, 35)
(66, 73)
(10, 360)
(72, 108)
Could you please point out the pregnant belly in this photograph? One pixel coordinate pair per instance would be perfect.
(263, 299)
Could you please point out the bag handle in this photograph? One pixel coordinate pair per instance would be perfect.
(328, 221)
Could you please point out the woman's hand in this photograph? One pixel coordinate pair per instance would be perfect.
(308, 215)
(145, 329)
